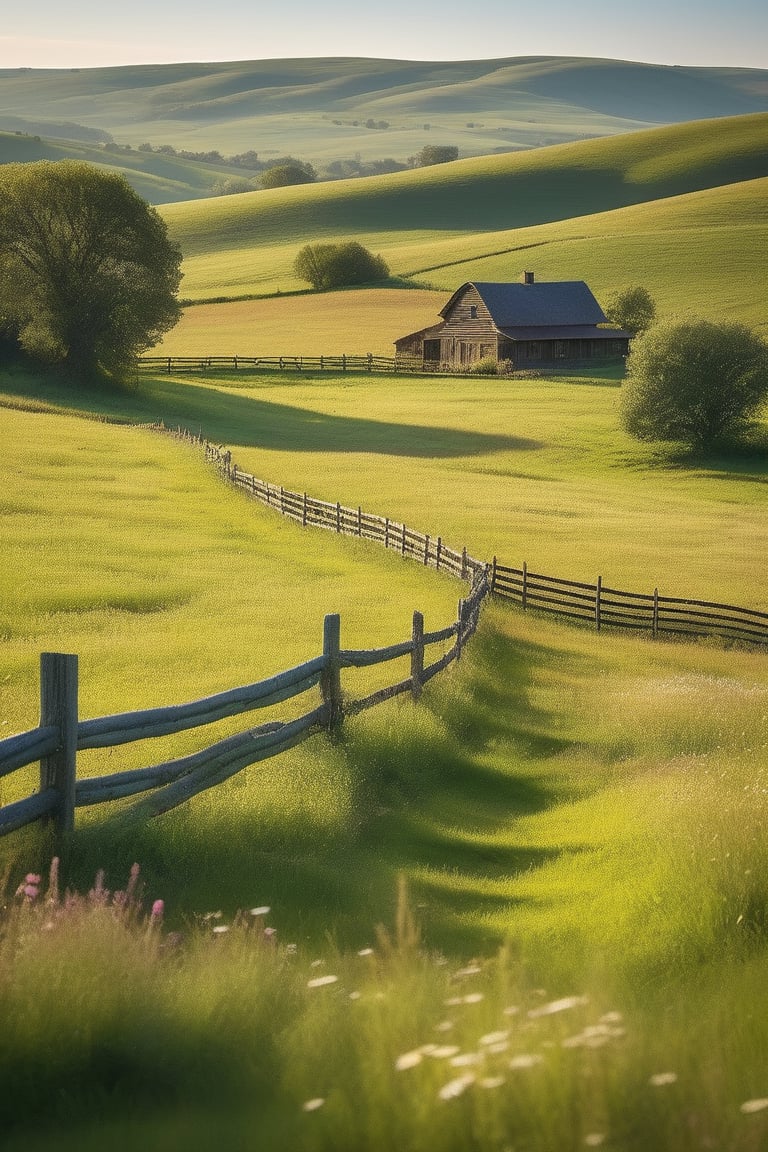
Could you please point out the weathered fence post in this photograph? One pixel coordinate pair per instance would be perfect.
(655, 613)
(343, 361)
(492, 588)
(417, 655)
(330, 681)
(338, 516)
(464, 563)
(282, 500)
(426, 550)
(459, 629)
(598, 592)
(439, 550)
(304, 512)
(524, 599)
(359, 520)
(169, 365)
(58, 709)
(402, 550)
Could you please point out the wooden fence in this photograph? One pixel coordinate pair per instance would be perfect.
(61, 734)
(343, 363)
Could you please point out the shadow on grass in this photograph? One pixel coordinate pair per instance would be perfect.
(248, 421)
(433, 792)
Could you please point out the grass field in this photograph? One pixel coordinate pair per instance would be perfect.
(594, 802)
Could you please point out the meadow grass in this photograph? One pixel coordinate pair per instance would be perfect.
(592, 805)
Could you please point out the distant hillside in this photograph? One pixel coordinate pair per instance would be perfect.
(679, 209)
(159, 179)
(326, 109)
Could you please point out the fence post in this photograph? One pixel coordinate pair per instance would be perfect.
(655, 613)
(282, 500)
(343, 361)
(58, 708)
(598, 590)
(169, 365)
(439, 550)
(417, 655)
(402, 551)
(338, 516)
(459, 629)
(304, 512)
(359, 520)
(386, 531)
(426, 550)
(464, 563)
(492, 588)
(330, 681)
(525, 586)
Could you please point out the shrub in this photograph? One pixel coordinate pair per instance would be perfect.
(436, 154)
(487, 366)
(286, 175)
(694, 381)
(339, 265)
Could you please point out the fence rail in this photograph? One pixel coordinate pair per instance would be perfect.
(61, 734)
(606, 607)
(343, 363)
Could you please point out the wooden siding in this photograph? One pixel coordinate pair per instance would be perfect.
(468, 332)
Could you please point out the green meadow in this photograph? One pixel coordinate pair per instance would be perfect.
(592, 805)
(528, 912)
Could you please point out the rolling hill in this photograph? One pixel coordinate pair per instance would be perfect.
(325, 109)
(679, 208)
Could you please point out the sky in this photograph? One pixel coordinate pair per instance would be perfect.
(96, 33)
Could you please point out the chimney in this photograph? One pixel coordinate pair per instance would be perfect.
(528, 277)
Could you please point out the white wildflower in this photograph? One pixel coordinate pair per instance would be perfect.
(321, 981)
(455, 1087)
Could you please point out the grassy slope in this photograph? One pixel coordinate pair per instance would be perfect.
(701, 247)
(280, 106)
(159, 179)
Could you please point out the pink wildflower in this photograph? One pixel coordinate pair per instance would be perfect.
(158, 908)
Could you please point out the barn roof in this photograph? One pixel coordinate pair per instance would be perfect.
(560, 303)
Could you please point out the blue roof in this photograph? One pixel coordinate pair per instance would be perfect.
(537, 305)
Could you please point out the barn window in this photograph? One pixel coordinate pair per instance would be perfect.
(473, 311)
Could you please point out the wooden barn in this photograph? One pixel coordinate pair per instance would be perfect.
(527, 324)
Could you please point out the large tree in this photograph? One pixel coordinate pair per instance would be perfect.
(632, 309)
(88, 274)
(339, 265)
(694, 381)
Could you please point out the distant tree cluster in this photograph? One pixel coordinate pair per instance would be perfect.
(347, 169)
(339, 265)
(287, 173)
(88, 275)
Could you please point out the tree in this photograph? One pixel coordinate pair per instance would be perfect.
(436, 154)
(694, 381)
(88, 275)
(285, 175)
(632, 309)
(339, 265)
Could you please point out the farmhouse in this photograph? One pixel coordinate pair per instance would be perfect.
(526, 324)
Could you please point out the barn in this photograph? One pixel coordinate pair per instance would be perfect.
(527, 324)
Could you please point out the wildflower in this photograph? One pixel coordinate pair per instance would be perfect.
(754, 1105)
(443, 1051)
(365, 952)
(158, 908)
(220, 929)
(264, 910)
(455, 1087)
(491, 1038)
(660, 1079)
(313, 1105)
(270, 933)
(355, 995)
(473, 998)
(408, 1060)
(444, 1026)
(465, 1059)
(557, 1006)
(491, 1082)
(320, 981)
(526, 1060)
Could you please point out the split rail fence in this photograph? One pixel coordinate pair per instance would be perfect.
(343, 363)
(60, 734)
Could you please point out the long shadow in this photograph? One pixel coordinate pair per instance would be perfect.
(248, 421)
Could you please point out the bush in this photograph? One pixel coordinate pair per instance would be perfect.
(232, 186)
(339, 265)
(286, 175)
(694, 381)
(437, 154)
(488, 366)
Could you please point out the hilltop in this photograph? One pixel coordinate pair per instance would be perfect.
(333, 108)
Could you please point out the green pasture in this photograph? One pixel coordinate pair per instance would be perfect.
(592, 805)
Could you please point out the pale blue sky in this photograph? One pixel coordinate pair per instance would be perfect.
(84, 33)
